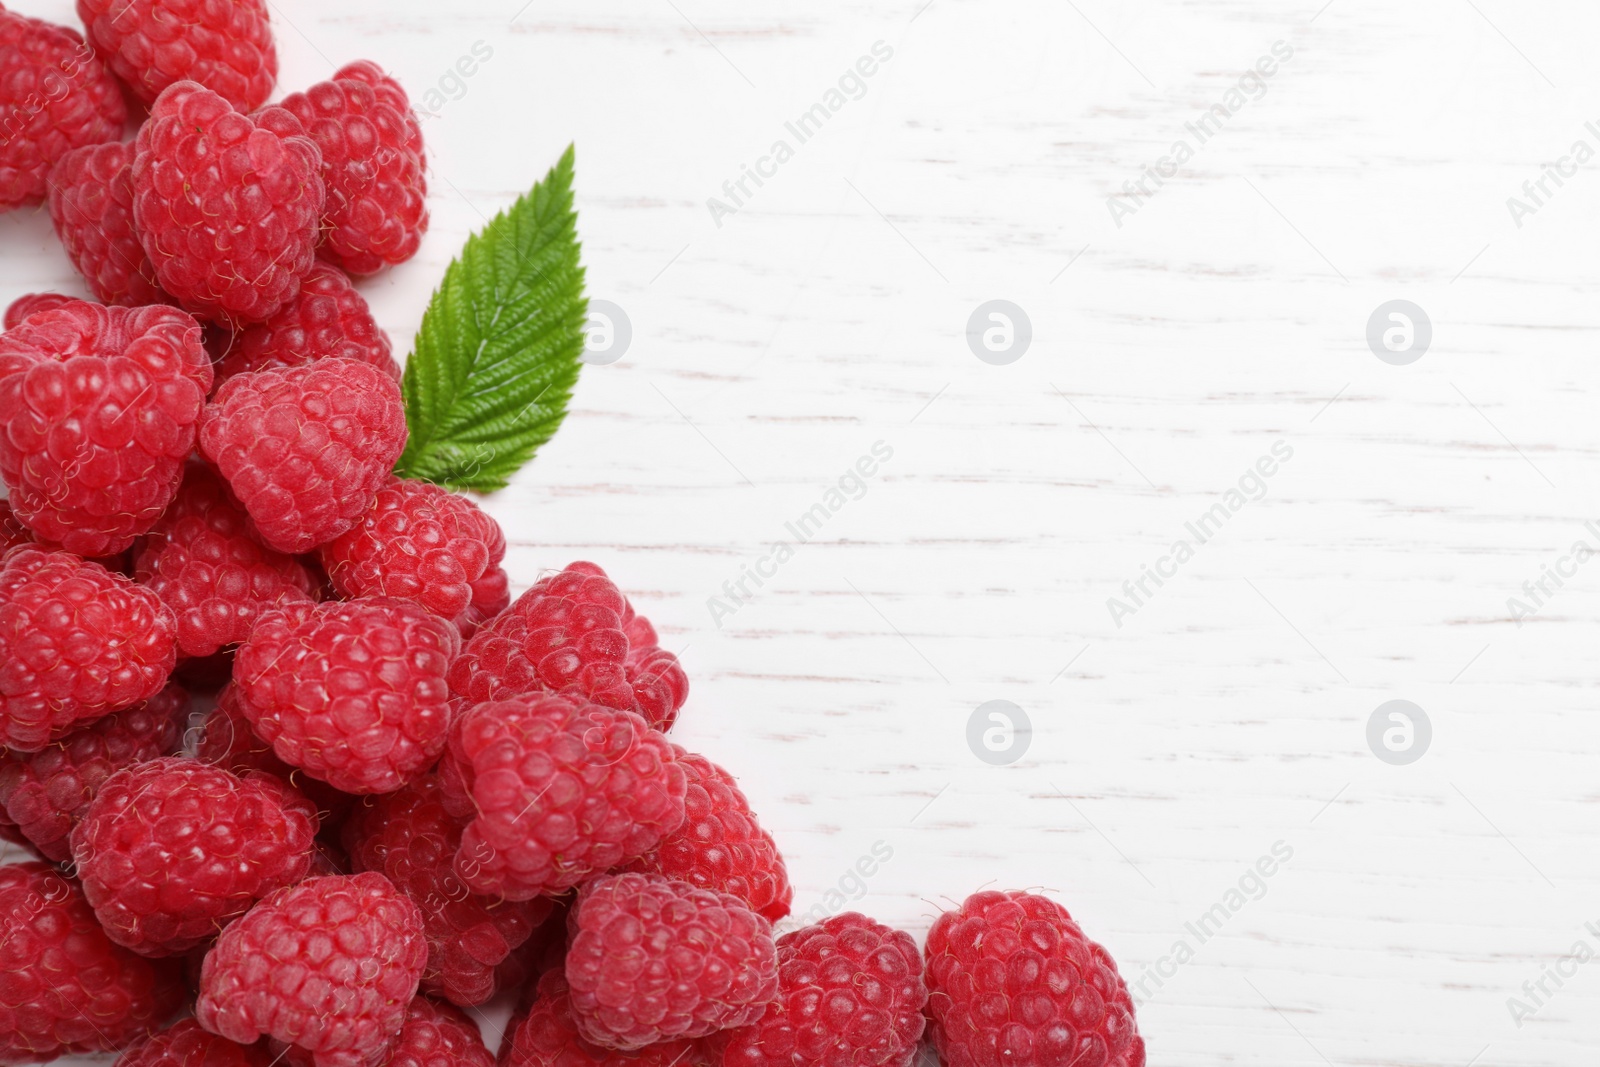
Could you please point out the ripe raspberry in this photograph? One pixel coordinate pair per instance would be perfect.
(226, 740)
(352, 693)
(328, 318)
(329, 965)
(76, 643)
(150, 44)
(491, 595)
(1013, 981)
(562, 790)
(372, 162)
(186, 1044)
(850, 994)
(54, 96)
(547, 1037)
(720, 845)
(171, 850)
(418, 542)
(305, 449)
(91, 205)
(410, 838)
(570, 633)
(45, 793)
(33, 303)
(205, 564)
(12, 532)
(226, 205)
(66, 987)
(653, 958)
(98, 408)
(438, 1035)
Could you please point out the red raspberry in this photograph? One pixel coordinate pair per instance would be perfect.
(372, 162)
(720, 845)
(186, 1044)
(652, 959)
(438, 1035)
(33, 303)
(547, 1037)
(329, 965)
(226, 205)
(418, 542)
(66, 988)
(205, 564)
(171, 850)
(91, 204)
(570, 633)
(562, 790)
(98, 408)
(409, 837)
(44, 793)
(12, 532)
(305, 449)
(76, 643)
(328, 318)
(150, 44)
(12, 834)
(850, 994)
(491, 595)
(226, 740)
(352, 693)
(1013, 981)
(54, 96)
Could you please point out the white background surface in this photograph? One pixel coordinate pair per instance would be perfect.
(1228, 314)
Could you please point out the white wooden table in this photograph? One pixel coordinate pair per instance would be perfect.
(1228, 714)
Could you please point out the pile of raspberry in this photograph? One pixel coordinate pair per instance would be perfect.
(286, 772)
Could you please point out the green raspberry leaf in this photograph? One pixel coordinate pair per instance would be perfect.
(498, 352)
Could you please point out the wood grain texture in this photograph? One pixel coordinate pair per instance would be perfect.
(1228, 313)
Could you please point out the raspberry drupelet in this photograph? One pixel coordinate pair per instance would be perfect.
(558, 790)
(327, 319)
(353, 692)
(76, 643)
(652, 959)
(419, 542)
(67, 988)
(98, 409)
(409, 837)
(45, 792)
(305, 449)
(91, 205)
(205, 563)
(171, 850)
(55, 95)
(151, 44)
(850, 994)
(720, 845)
(574, 632)
(546, 1036)
(1014, 982)
(372, 163)
(329, 965)
(226, 205)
